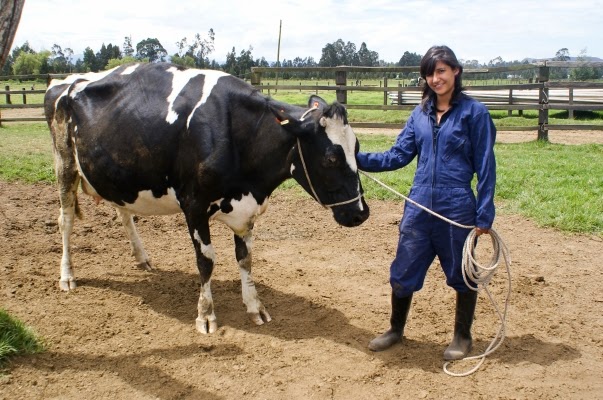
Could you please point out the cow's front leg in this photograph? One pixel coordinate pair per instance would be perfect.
(206, 319)
(255, 308)
(138, 250)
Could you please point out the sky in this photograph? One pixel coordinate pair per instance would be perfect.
(475, 29)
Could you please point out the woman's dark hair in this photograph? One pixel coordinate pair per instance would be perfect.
(428, 64)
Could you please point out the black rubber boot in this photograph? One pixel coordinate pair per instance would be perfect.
(462, 342)
(400, 307)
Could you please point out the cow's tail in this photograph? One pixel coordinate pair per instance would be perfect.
(78, 210)
(58, 115)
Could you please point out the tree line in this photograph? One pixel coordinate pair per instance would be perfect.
(196, 52)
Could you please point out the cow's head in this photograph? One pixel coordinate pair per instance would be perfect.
(324, 161)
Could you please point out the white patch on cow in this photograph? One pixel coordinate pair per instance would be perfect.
(243, 215)
(89, 76)
(206, 249)
(130, 69)
(147, 204)
(344, 136)
(211, 79)
(206, 320)
(180, 79)
(292, 169)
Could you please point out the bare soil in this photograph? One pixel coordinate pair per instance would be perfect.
(129, 334)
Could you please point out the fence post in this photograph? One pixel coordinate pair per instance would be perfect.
(7, 94)
(510, 102)
(543, 100)
(385, 91)
(24, 97)
(570, 112)
(399, 94)
(256, 79)
(341, 78)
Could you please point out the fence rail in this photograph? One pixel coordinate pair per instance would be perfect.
(542, 95)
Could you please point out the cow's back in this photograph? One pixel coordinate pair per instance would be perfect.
(130, 126)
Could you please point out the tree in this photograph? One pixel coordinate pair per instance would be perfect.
(584, 73)
(241, 65)
(366, 57)
(90, 64)
(560, 72)
(184, 61)
(128, 49)
(10, 15)
(60, 60)
(152, 49)
(329, 56)
(410, 59)
(198, 50)
(116, 62)
(28, 63)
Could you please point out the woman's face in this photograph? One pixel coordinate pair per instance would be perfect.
(442, 80)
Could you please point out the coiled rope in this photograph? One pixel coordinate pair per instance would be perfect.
(480, 275)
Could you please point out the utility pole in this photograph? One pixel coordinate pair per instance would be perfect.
(278, 53)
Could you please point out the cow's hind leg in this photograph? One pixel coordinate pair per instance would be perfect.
(68, 180)
(255, 308)
(69, 209)
(138, 250)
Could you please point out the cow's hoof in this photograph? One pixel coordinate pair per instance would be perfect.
(206, 326)
(260, 318)
(67, 285)
(145, 266)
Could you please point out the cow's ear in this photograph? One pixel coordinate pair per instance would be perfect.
(317, 102)
(284, 116)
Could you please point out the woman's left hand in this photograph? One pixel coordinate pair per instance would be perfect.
(481, 231)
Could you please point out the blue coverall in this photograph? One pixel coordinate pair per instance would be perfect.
(448, 156)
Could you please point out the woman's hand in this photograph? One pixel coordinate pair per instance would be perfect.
(481, 231)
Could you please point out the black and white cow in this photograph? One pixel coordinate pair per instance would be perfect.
(160, 139)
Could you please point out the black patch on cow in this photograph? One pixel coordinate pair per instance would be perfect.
(213, 209)
(336, 109)
(241, 251)
(225, 206)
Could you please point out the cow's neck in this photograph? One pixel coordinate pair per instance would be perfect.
(265, 149)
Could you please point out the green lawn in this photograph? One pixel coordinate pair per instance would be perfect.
(556, 185)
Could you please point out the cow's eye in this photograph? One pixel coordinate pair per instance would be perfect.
(332, 158)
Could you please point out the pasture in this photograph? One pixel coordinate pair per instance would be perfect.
(126, 333)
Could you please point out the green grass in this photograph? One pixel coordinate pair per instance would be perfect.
(26, 153)
(557, 185)
(16, 338)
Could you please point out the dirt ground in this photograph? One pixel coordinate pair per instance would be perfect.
(129, 334)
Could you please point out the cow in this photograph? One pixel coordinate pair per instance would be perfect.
(158, 139)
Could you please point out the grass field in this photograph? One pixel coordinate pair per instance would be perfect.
(557, 185)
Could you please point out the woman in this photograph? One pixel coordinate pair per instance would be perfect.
(452, 136)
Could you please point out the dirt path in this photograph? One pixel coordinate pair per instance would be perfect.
(129, 334)
(563, 137)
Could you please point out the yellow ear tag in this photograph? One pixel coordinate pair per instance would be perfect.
(285, 122)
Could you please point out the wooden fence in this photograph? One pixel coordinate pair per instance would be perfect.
(542, 95)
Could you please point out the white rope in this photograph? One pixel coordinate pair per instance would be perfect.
(480, 275)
